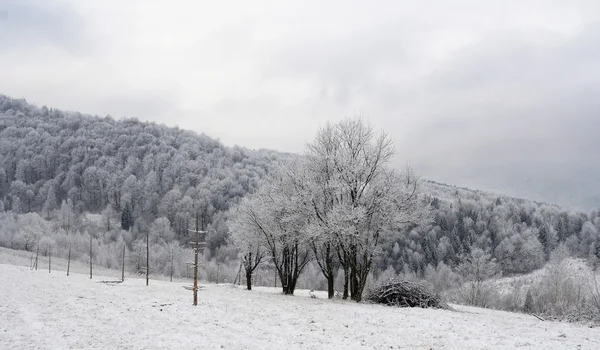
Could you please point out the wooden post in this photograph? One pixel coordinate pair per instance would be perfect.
(218, 269)
(90, 256)
(196, 263)
(147, 257)
(197, 249)
(49, 259)
(69, 260)
(123, 265)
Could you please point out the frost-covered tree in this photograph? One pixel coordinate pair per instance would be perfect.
(107, 217)
(476, 268)
(50, 203)
(67, 216)
(358, 201)
(271, 216)
(161, 232)
(249, 242)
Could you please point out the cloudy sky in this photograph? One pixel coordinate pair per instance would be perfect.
(500, 95)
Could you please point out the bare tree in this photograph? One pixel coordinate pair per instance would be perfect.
(248, 243)
(476, 268)
(271, 218)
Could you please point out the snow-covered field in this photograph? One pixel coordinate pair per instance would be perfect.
(52, 311)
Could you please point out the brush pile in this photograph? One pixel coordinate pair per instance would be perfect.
(405, 294)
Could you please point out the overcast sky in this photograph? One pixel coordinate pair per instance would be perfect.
(500, 95)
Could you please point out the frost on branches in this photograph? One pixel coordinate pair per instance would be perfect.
(337, 204)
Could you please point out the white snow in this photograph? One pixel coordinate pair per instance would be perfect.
(52, 311)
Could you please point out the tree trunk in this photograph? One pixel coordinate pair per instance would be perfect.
(324, 258)
(69, 261)
(49, 261)
(123, 265)
(353, 283)
(37, 255)
(248, 280)
(330, 290)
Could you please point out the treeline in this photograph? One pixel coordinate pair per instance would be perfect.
(519, 234)
(54, 163)
(49, 157)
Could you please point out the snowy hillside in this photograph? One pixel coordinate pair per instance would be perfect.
(48, 311)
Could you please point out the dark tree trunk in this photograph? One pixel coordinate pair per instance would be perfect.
(290, 267)
(69, 261)
(249, 280)
(324, 257)
(123, 265)
(330, 288)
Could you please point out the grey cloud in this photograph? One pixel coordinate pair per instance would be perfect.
(492, 95)
(514, 112)
(29, 23)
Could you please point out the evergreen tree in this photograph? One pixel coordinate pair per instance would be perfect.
(126, 218)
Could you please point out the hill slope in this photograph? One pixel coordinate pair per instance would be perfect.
(62, 165)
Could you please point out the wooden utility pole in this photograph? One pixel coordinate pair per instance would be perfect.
(123, 265)
(147, 257)
(90, 256)
(198, 247)
(69, 260)
(196, 263)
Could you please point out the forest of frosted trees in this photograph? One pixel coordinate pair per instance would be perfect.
(66, 176)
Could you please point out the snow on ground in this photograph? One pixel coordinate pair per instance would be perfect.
(52, 311)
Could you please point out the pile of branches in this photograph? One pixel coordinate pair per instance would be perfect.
(405, 294)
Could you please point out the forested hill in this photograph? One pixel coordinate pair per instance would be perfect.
(49, 156)
(520, 234)
(156, 173)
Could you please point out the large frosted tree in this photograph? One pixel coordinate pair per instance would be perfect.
(273, 219)
(358, 202)
(340, 201)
